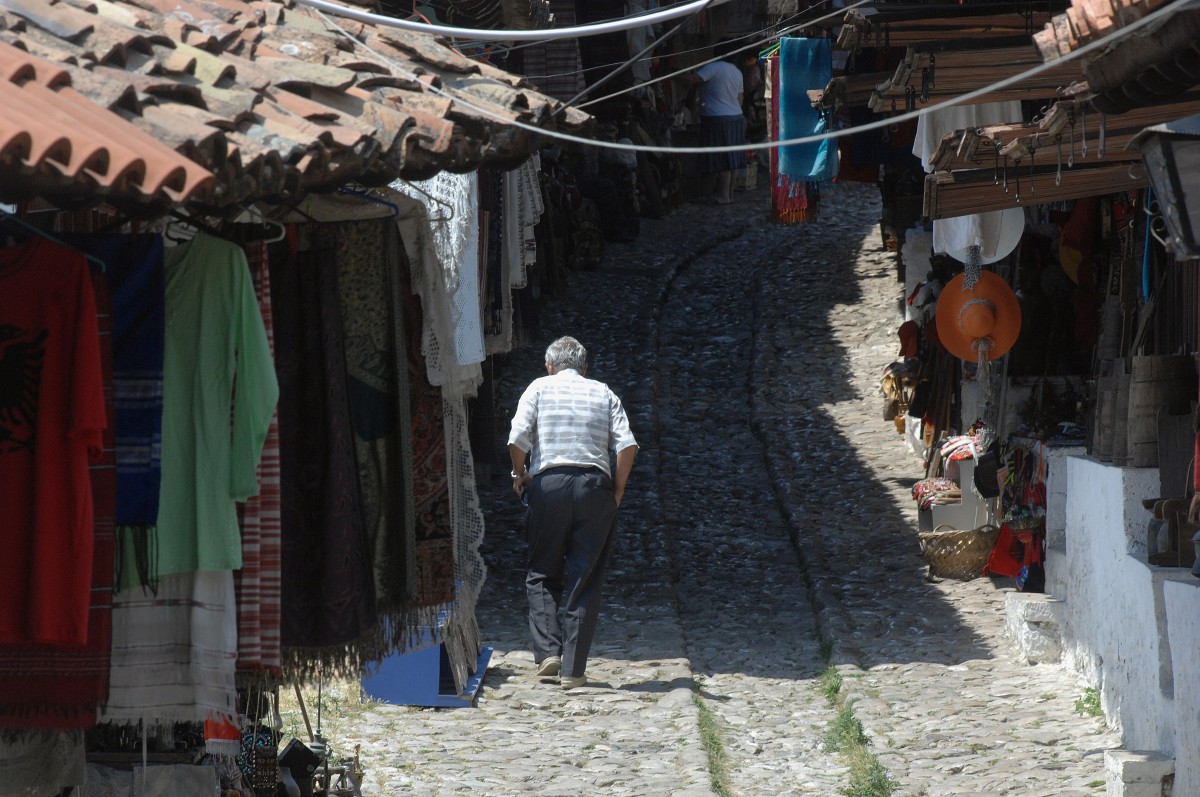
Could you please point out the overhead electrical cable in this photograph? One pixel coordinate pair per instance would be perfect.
(752, 34)
(623, 66)
(542, 34)
(887, 121)
(751, 46)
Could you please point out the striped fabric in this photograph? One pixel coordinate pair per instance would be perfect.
(555, 67)
(174, 651)
(258, 582)
(567, 419)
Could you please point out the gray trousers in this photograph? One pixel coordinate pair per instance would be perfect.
(571, 523)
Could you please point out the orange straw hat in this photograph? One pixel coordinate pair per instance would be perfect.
(986, 318)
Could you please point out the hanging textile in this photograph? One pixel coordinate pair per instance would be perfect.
(555, 67)
(434, 534)
(790, 202)
(377, 381)
(174, 651)
(214, 339)
(59, 687)
(438, 239)
(328, 601)
(42, 763)
(804, 64)
(522, 209)
(52, 414)
(258, 582)
(135, 277)
(453, 467)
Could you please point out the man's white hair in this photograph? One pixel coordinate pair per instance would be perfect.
(566, 352)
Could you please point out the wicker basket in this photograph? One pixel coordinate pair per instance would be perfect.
(958, 553)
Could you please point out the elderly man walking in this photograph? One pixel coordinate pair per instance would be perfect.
(569, 424)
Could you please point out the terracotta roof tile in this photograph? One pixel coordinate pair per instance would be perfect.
(223, 101)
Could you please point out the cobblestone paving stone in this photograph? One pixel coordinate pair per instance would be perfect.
(769, 510)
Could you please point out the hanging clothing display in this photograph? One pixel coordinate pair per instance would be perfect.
(804, 64)
(555, 66)
(52, 415)
(174, 651)
(453, 466)
(214, 340)
(521, 208)
(328, 600)
(134, 272)
(791, 202)
(436, 238)
(431, 496)
(378, 387)
(56, 686)
(258, 581)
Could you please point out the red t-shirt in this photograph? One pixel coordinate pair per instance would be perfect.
(51, 414)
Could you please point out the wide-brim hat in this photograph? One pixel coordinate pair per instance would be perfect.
(987, 317)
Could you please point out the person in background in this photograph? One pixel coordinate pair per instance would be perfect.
(567, 425)
(721, 120)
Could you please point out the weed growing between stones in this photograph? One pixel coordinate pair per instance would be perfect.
(845, 736)
(710, 737)
(831, 684)
(1088, 704)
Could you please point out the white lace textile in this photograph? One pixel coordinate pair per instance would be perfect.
(436, 281)
(36, 762)
(522, 208)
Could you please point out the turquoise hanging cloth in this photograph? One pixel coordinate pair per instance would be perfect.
(804, 64)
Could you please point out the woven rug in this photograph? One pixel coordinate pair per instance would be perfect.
(328, 601)
(258, 583)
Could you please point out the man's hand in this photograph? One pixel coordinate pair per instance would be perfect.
(1193, 515)
(519, 483)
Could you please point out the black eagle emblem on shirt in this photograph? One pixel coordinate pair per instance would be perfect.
(21, 356)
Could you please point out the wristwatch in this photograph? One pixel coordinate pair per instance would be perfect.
(516, 475)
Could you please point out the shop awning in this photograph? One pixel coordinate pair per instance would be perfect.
(264, 100)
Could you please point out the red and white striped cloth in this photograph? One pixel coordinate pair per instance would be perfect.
(258, 582)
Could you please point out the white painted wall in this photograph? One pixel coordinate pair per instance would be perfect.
(1182, 598)
(1131, 629)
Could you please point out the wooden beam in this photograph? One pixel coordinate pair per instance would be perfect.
(977, 148)
(949, 194)
(938, 76)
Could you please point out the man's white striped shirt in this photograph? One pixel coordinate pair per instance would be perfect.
(568, 419)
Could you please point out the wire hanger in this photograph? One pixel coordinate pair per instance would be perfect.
(440, 202)
(20, 222)
(363, 194)
(277, 228)
(196, 225)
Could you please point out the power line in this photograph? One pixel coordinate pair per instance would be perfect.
(1103, 41)
(693, 67)
(680, 52)
(544, 34)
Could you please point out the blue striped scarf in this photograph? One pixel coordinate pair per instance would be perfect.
(134, 266)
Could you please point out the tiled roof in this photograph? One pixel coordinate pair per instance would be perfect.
(1151, 66)
(150, 103)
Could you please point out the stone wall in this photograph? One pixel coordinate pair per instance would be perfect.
(1132, 630)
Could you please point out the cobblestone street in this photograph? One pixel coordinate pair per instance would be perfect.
(768, 533)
